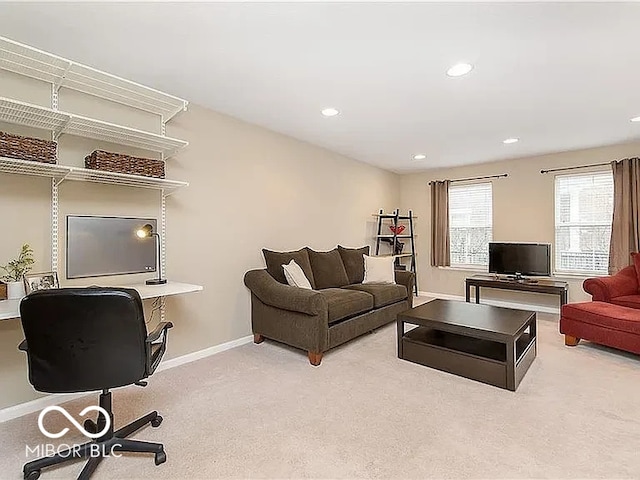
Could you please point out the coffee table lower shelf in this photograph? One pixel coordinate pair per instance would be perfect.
(474, 358)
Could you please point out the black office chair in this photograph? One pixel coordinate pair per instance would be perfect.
(86, 339)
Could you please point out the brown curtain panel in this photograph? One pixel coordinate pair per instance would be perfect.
(440, 224)
(625, 229)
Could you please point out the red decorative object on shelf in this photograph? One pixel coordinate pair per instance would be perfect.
(397, 229)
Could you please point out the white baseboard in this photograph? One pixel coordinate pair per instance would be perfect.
(38, 404)
(495, 303)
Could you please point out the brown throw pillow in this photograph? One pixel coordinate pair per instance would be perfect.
(275, 260)
(328, 269)
(353, 260)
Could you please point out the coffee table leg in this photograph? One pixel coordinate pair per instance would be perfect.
(511, 365)
(400, 325)
(533, 328)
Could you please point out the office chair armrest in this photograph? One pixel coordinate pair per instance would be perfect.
(23, 346)
(158, 331)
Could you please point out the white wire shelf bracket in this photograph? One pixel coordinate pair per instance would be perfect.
(22, 113)
(62, 173)
(63, 73)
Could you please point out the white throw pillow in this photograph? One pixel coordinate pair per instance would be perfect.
(378, 270)
(295, 276)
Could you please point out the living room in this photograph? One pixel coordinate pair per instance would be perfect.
(550, 86)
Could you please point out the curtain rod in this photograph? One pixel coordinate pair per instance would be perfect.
(575, 168)
(477, 178)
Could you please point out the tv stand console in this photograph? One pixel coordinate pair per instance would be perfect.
(520, 284)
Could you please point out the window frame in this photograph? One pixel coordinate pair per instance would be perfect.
(556, 272)
(470, 266)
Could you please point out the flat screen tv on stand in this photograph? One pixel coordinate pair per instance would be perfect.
(519, 260)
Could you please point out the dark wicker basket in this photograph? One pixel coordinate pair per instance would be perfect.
(27, 148)
(119, 163)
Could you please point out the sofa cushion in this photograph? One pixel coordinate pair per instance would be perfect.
(383, 294)
(295, 276)
(328, 269)
(379, 270)
(343, 303)
(353, 260)
(275, 261)
(605, 315)
(631, 301)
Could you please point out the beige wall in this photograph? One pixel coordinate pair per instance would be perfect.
(250, 188)
(523, 211)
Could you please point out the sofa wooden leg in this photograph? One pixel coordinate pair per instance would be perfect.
(257, 338)
(315, 358)
(571, 341)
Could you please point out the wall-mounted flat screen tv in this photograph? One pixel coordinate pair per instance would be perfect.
(533, 259)
(99, 246)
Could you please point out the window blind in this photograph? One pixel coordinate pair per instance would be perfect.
(470, 224)
(583, 215)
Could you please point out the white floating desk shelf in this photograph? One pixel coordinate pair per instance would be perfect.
(11, 308)
(63, 172)
(61, 72)
(21, 113)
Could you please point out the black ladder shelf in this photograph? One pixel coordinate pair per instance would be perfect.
(392, 239)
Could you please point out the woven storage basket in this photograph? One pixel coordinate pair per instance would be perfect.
(27, 148)
(119, 163)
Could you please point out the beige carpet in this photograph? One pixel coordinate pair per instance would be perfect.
(261, 411)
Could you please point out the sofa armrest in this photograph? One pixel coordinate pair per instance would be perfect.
(406, 278)
(603, 289)
(273, 293)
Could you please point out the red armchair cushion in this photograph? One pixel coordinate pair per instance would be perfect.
(636, 263)
(631, 301)
(604, 289)
(601, 314)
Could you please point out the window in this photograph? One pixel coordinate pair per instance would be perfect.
(584, 210)
(470, 224)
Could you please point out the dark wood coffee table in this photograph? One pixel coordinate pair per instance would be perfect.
(493, 345)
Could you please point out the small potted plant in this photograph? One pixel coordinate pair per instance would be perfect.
(14, 271)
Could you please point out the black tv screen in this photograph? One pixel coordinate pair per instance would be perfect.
(520, 258)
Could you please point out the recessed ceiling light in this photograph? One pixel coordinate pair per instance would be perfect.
(459, 69)
(420, 156)
(330, 112)
(510, 140)
(635, 119)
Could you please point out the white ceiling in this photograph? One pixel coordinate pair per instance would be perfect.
(558, 76)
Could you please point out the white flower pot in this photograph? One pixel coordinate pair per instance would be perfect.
(15, 290)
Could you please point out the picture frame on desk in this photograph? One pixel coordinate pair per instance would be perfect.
(40, 281)
(3, 291)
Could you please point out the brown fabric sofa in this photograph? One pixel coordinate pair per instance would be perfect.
(339, 308)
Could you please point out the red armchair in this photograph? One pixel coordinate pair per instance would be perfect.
(620, 289)
(612, 318)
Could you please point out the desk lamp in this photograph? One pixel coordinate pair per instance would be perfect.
(146, 232)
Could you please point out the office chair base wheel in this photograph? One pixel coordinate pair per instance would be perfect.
(155, 423)
(35, 475)
(161, 457)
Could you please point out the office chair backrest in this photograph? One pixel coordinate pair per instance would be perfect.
(84, 339)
